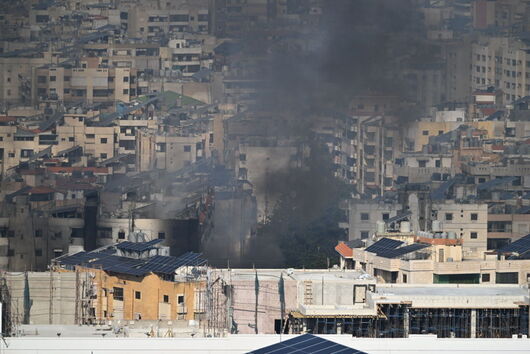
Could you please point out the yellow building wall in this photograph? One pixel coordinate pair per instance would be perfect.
(151, 305)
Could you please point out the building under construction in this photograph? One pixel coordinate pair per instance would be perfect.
(350, 302)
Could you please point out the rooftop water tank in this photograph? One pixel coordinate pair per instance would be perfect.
(436, 226)
(380, 227)
(404, 226)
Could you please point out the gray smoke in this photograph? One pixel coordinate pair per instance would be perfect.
(359, 47)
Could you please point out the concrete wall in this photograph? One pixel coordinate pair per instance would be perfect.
(463, 226)
(151, 304)
(53, 297)
(375, 211)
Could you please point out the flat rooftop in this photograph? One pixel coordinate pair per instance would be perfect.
(448, 290)
(295, 274)
(245, 343)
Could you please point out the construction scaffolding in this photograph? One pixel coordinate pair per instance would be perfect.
(502, 323)
(8, 326)
(401, 320)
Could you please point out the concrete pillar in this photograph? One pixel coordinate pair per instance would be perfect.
(406, 323)
(473, 323)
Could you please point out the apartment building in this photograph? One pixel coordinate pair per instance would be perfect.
(186, 56)
(78, 130)
(16, 74)
(363, 216)
(89, 83)
(169, 152)
(191, 16)
(469, 222)
(503, 63)
(430, 258)
(144, 57)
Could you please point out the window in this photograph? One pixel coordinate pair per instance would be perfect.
(386, 216)
(53, 78)
(70, 138)
(180, 299)
(180, 18)
(125, 91)
(125, 79)
(90, 136)
(117, 293)
(485, 277)
(103, 155)
(365, 216)
(438, 163)
(187, 148)
(474, 216)
(425, 132)
(364, 235)
(242, 157)
(38, 233)
(448, 216)
(166, 299)
(10, 252)
(103, 140)
(404, 278)
(26, 153)
(422, 163)
(161, 235)
(121, 235)
(137, 295)
(474, 235)
(38, 252)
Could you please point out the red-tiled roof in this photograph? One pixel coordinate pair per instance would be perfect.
(488, 111)
(34, 171)
(484, 93)
(7, 119)
(344, 250)
(497, 147)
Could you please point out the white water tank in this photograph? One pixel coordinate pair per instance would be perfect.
(436, 226)
(404, 226)
(380, 227)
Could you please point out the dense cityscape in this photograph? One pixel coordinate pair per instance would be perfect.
(228, 172)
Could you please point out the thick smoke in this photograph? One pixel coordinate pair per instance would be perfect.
(359, 47)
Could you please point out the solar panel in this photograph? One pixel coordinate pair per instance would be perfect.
(109, 262)
(520, 246)
(398, 217)
(307, 343)
(137, 246)
(402, 250)
(384, 244)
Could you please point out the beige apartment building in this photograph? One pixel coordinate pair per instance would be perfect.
(17, 145)
(96, 142)
(436, 261)
(169, 152)
(467, 222)
(89, 83)
(150, 22)
(16, 73)
(501, 62)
